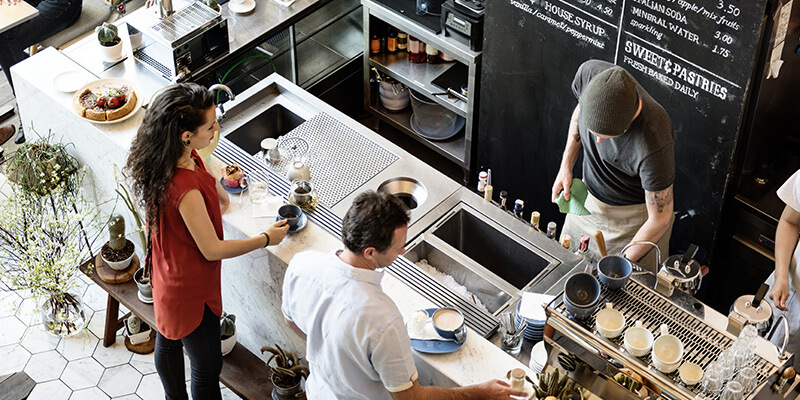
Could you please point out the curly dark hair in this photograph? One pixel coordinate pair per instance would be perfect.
(371, 221)
(157, 146)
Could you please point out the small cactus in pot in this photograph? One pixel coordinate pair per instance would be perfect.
(107, 34)
(227, 332)
(118, 251)
(137, 330)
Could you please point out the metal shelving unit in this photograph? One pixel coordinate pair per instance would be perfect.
(420, 77)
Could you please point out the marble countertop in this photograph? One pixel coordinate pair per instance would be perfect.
(103, 146)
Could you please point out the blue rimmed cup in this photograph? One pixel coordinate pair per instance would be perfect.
(581, 294)
(614, 271)
(449, 324)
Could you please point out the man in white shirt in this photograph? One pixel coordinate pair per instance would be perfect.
(785, 281)
(357, 346)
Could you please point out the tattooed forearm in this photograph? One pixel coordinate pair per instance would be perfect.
(660, 199)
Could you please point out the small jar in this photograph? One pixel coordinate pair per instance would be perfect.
(551, 230)
(431, 54)
(402, 41)
(416, 50)
(375, 44)
(483, 177)
(391, 42)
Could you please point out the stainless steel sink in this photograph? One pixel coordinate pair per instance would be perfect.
(490, 245)
(275, 121)
(409, 190)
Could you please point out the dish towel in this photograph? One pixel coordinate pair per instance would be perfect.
(577, 197)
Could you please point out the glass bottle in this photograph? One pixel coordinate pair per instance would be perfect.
(391, 42)
(402, 41)
(416, 50)
(375, 44)
(431, 54)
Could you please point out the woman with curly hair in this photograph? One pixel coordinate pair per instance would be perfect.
(184, 205)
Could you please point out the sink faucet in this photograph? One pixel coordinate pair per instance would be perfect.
(220, 108)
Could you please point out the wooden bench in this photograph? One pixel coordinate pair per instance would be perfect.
(243, 372)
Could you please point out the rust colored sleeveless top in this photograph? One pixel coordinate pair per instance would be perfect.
(183, 280)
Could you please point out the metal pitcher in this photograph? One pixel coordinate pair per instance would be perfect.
(751, 310)
(680, 271)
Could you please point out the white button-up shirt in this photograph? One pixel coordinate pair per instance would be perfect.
(357, 345)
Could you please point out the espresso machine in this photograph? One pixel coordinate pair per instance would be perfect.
(180, 42)
(592, 360)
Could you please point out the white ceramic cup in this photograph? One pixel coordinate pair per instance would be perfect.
(638, 340)
(238, 1)
(691, 373)
(610, 322)
(667, 351)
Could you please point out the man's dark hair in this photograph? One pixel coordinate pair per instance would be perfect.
(371, 221)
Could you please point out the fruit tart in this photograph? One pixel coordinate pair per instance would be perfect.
(232, 175)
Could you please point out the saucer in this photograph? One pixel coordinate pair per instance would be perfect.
(242, 8)
(233, 190)
(143, 299)
(300, 224)
(434, 346)
(69, 81)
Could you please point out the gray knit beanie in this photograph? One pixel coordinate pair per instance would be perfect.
(609, 102)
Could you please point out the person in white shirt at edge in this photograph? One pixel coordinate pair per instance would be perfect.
(357, 346)
(785, 280)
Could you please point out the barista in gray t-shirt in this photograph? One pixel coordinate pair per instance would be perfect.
(628, 160)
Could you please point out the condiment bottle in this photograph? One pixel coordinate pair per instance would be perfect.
(375, 44)
(535, 217)
(519, 204)
(583, 246)
(518, 379)
(402, 41)
(416, 50)
(551, 230)
(566, 240)
(503, 198)
(483, 178)
(391, 42)
(431, 54)
(487, 193)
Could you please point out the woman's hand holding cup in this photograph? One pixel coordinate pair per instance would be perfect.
(277, 231)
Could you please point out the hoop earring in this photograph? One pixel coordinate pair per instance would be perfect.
(187, 142)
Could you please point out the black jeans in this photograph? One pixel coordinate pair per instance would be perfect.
(205, 355)
(54, 16)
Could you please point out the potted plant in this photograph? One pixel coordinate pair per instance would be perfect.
(142, 275)
(46, 232)
(110, 43)
(227, 332)
(287, 373)
(136, 330)
(118, 251)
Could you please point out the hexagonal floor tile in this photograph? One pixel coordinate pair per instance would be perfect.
(81, 345)
(45, 366)
(151, 388)
(116, 354)
(9, 301)
(144, 363)
(128, 397)
(12, 331)
(53, 390)
(96, 298)
(14, 358)
(37, 340)
(29, 312)
(82, 374)
(120, 380)
(92, 393)
(97, 325)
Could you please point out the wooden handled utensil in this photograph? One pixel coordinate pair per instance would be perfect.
(601, 243)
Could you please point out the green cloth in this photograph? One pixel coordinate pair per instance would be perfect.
(577, 197)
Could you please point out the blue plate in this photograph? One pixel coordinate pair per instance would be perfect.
(236, 190)
(434, 346)
(300, 224)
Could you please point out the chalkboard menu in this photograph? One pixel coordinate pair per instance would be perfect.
(695, 57)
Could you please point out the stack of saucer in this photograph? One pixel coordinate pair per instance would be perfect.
(538, 357)
(531, 311)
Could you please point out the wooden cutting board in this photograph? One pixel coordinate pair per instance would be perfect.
(110, 275)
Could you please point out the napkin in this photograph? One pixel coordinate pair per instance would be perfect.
(531, 305)
(425, 332)
(577, 197)
(268, 209)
